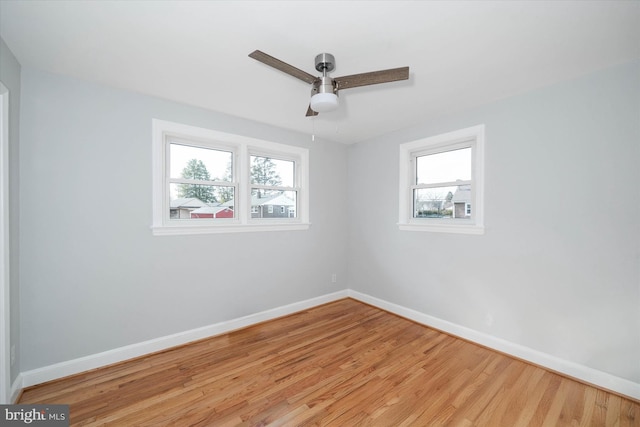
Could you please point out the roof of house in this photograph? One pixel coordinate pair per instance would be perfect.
(462, 194)
(209, 210)
(277, 200)
(186, 202)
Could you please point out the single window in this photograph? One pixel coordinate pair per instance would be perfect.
(441, 178)
(208, 182)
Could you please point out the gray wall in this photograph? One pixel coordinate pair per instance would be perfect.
(93, 278)
(10, 77)
(558, 267)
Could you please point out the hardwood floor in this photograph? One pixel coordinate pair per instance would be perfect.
(340, 364)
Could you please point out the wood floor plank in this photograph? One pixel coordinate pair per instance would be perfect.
(533, 395)
(340, 364)
(629, 413)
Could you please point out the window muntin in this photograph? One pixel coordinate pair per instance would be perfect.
(203, 182)
(442, 183)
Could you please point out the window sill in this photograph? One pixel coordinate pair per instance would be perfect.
(177, 230)
(443, 228)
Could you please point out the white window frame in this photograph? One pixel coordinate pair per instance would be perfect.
(163, 132)
(469, 137)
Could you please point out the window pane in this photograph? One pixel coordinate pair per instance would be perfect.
(186, 201)
(200, 163)
(267, 171)
(273, 204)
(442, 202)
(449, 166)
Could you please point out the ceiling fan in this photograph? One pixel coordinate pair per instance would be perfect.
(324, 89)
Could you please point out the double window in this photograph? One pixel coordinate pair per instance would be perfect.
(441, 183)
(206, 181)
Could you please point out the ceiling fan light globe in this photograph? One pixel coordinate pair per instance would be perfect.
(323, 102)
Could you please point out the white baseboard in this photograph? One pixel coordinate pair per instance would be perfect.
(574, 370)
(82, 364)
(553, 363)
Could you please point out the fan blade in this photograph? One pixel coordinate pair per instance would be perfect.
(282, 66)
(372, 78)
(310, 112)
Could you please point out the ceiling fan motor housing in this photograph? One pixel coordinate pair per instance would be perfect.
(324, 85)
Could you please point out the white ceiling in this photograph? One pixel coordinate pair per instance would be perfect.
(460, 54)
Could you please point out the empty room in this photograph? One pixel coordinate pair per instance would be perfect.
(346, 213)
